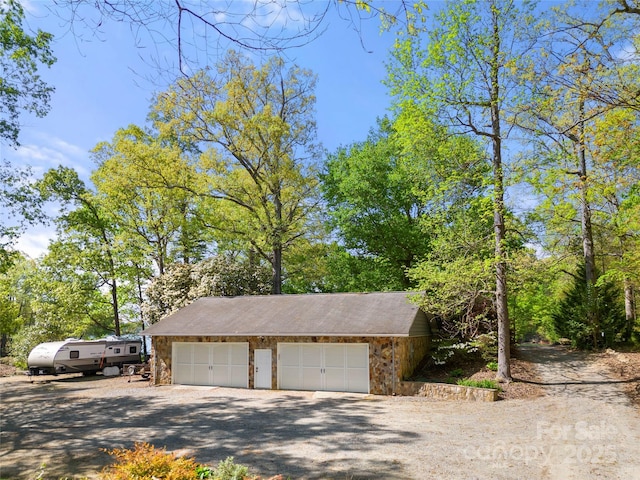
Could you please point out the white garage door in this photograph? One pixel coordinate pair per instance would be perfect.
(222, 364)
(338, 367)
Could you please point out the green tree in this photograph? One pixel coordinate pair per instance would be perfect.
(15, 299)
(21, 55)
(57, 300)
(133, 172)
(374, 203)
(572, 73)
(221, 275)
(616, 173)
(378, 191)
(465, 75)
(87, 237)
(571, 319)
(257, 175)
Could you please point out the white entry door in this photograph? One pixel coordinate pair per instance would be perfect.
(262, 368)
(339, 367)
(224, 364)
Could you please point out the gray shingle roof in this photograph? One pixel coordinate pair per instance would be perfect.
(335, 314)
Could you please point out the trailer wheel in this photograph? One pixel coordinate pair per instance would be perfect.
(131, 370)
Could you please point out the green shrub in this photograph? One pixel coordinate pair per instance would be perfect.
(228, 470)
(456, 373)
(479, 383)
(493, 366)
(451, 351)
(487, 345)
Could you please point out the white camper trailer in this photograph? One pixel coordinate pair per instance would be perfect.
(83, 356)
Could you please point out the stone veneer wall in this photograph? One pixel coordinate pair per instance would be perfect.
(445, 391)
(385, 353)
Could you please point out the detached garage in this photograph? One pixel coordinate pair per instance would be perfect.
(346, 342)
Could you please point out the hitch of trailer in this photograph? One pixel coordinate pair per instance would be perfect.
(142, 369)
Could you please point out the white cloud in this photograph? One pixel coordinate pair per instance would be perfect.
(50, 153)
(35, 242)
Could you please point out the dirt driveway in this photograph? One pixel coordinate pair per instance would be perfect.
(583, 429)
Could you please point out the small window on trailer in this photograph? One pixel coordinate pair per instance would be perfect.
(133, 349)
(116, 350)
(74, 354)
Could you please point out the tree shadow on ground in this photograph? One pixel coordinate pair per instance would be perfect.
(276, 435)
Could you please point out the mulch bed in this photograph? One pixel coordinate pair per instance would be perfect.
(623, 366)
(523, 372)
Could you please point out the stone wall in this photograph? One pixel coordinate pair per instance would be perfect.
(445, 391)
(390, 359)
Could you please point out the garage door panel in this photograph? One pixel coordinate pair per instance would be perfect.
(201, 374)
(311, 378)
(182, 354)
(183, 373)
(222, 364)
(335, 379)
(334, 356)
(358, 356)
(220, 354)
(239, 354)
(334, 367)
(201, 354)
(289, 355)
(290, 378)
(220, 375)
(312, 356)
(358, 385)
(238, 376)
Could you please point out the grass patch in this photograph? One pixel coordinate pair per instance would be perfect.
(486, 383)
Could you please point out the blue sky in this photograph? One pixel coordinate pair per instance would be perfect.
(102, 85)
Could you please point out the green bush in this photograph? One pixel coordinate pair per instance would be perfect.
(228, 470)
(493, 366)
(487, 345)
(479, 383)
(451, 351)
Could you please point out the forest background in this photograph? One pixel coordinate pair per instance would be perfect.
(224, 189)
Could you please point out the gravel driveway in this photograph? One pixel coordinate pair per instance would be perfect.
(583, 429)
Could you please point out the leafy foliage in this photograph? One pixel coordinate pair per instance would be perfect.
(380, 191)
(21, 55)
(573, 318)
(256, 127)
(221, 275)
(135, 179)
(145, 462)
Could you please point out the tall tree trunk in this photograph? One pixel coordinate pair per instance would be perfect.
(587, 230)
(140, 302)
(629, 307)
(502, 309)
(276, 288)
(116, 314)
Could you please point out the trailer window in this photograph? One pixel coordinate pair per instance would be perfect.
(133, 349)
(116, 350)
(74, 354)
